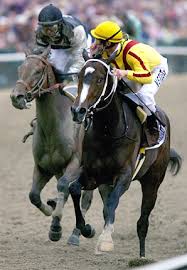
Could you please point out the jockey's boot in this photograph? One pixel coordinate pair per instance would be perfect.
(152, 125)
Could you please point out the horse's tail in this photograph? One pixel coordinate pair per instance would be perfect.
(175, 162)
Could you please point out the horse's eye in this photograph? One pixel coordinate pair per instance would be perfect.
(37, 73)
(100, 80)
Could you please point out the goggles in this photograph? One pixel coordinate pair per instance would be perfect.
(50, 30)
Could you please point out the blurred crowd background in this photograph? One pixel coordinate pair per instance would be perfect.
(161, 22)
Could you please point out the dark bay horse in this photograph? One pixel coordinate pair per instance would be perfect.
(54, 136)
(110, 148)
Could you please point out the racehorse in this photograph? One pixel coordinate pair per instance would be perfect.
(54, 136)
(110, 147)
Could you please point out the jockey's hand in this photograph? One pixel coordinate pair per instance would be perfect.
(120, 73)
(96, 49)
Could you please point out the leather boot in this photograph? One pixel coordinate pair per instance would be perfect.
(152, 125)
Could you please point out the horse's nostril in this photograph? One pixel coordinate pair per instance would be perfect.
(19, 97)
(82, 110)
(72, 109)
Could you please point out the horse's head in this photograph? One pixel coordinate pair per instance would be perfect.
(96, 88)
(34, 74)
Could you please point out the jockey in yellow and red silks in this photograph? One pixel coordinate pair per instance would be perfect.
(135, 61)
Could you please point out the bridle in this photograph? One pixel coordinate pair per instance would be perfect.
(47, 75)
(93, 108)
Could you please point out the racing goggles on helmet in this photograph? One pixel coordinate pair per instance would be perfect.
(50, 30)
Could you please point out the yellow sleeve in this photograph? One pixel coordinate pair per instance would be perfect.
(140, 70)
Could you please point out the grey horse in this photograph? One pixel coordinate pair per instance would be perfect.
(54, 147)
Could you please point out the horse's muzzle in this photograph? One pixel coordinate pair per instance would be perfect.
(18, 101)
(78, 114)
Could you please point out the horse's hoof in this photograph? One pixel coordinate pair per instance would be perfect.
(55, 236)
(74, 238)
(104, 246)
(88, 231)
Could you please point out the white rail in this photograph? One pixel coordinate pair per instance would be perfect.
(174, 50)
(175, 263)
(11, 57)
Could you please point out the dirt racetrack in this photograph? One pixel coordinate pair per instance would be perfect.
(24, 243)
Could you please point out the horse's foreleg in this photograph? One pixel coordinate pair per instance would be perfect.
(105, 241)
(86, 201)
(70, 175)
(75, 191)
(149, 190)
(55, 231)
(39, 182)
(111, 201)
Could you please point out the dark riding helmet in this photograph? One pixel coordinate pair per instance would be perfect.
(50, 20)
(50, 15)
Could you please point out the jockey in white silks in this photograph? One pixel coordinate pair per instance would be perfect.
(67, 37)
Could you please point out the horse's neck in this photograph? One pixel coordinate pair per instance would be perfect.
(52, 111)
(111, 121)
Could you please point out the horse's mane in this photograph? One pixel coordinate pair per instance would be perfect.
(33, 48)
(38, 50)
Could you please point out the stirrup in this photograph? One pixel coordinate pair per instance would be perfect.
(141, 114)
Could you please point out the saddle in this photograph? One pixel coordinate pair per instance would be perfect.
(153, 133)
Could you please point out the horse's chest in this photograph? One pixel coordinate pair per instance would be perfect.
(52, 159)
(101, 160)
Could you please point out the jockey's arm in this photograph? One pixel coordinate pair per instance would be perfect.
(79, 43)
(139, 72)
(140, 69)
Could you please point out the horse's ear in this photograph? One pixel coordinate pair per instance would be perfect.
(46, 52)
(111, 58)
(85, 55)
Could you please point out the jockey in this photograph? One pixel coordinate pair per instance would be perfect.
(135, 61)
(67, 37)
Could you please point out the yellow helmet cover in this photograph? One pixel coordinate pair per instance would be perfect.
(109, 31)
